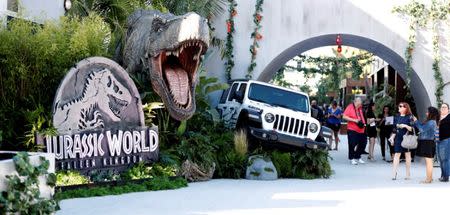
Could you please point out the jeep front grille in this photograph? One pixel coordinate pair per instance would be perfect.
(290, 125)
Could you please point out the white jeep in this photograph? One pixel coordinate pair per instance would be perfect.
(271, 114)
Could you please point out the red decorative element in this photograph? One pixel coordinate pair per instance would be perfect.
(254, 51)
(339, 49)
(228, 27)
(234, 13)
(258, 17)
(258, 36)
(338, 40)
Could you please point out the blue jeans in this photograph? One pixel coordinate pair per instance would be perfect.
(444, 156)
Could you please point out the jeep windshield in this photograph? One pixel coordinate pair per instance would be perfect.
(278, 97)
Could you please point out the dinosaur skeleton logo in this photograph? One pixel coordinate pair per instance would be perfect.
(102, 96)
(95, 95)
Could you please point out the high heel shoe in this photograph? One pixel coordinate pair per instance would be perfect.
(395, 177)
(426, 181)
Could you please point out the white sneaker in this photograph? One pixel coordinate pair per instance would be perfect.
(354, 162)
(361, 161)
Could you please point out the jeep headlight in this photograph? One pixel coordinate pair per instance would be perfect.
(313, 127)
(269, 117)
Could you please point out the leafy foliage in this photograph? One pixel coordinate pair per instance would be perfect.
(419, 16)
(158, 183)
(228, 52)
(23, 195)
(142, 171)
(310, 164)
(67, 178)
(37, 57)
(283, 163)
(256, 36)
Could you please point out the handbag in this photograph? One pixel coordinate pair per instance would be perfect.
(409, 140)
(360, 124)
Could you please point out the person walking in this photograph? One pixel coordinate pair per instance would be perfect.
(385, 125)
(334, 114)
(444, 143)
(357, 139)
(371, 130)
(427, 147)
(402, 124)
(316, 111)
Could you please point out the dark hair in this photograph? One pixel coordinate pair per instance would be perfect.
(433, 114)
(445, 104)
(369, 107)
(334, 103)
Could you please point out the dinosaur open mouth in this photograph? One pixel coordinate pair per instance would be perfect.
(116, 105)
(178, 67)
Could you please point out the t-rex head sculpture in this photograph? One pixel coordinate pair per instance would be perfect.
(169, 48)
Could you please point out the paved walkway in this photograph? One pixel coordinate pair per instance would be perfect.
(363, 189)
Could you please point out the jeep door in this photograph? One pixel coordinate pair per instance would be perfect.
(230, 103)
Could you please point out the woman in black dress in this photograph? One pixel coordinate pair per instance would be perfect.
(427, 147)
(371, 129)
(385, 131)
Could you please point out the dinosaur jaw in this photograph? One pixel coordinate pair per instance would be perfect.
(116, 105)
(174, 77)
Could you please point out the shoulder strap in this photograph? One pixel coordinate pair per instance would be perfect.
(356, 112)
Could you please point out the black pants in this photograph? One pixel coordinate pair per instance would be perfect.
(356, 144)
(383, 142)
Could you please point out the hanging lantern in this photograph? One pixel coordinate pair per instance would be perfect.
(258, 36)
(339, 43)
(258, 17)
(338, 40)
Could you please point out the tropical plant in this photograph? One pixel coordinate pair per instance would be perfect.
(197, 148)
(310, 164)
(37, 57)
(150, 111)
(283, 163)
(138, 171)
(67, 178)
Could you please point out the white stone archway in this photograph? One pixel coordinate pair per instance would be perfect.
(287, 23)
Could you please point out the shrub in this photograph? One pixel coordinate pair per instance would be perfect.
(67, 178)
(159, 183)
(310, 164)
(240, 142)
(283, 163)
(34, 59)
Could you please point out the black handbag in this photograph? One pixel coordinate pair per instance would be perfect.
(360, 124)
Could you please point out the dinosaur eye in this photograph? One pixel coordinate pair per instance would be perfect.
(157, 25)
(109, 81)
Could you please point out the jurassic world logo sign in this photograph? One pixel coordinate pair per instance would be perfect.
(98, 114)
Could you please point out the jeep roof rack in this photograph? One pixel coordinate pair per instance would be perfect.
(239, 79)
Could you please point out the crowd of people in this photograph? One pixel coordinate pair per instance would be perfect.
(364, 126)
